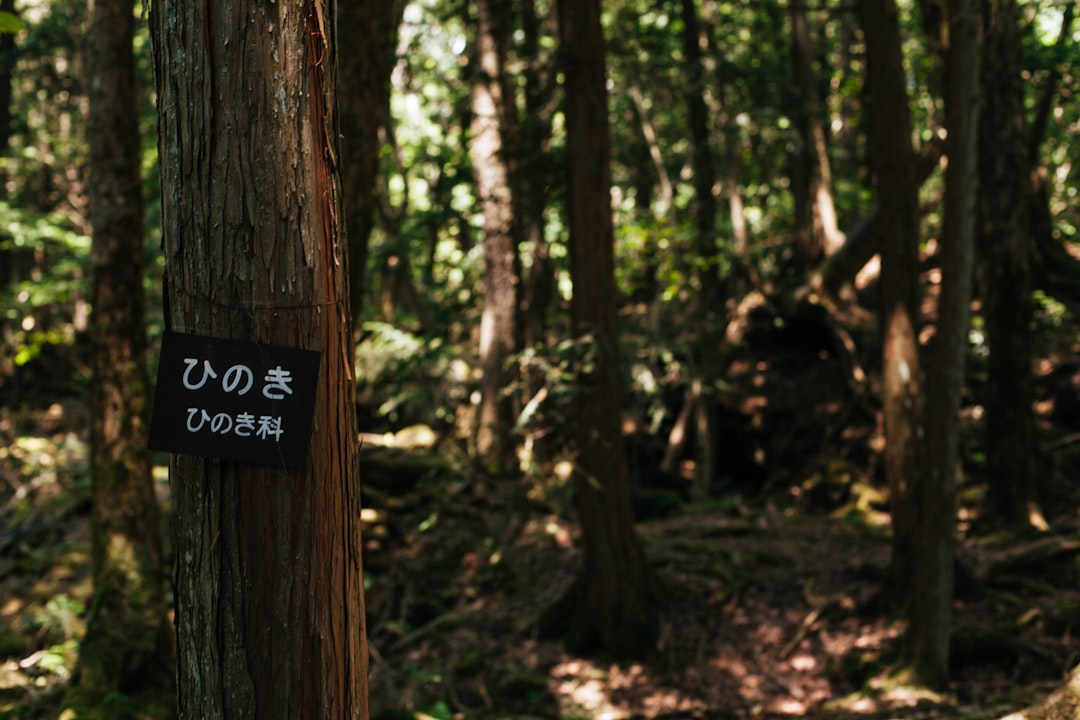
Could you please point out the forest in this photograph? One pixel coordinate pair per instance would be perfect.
(666, 359)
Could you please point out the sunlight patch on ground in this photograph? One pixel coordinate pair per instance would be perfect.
(613, 692)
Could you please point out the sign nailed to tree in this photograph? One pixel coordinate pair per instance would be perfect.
(234, 400)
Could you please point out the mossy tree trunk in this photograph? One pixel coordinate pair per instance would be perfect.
(128, 646)
(269, 592)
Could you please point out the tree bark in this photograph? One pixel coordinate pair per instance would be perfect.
(707, 268)
(128, 645)
(368, 31)
(268, 577)
(1006, 248)
(612, 604)
(815, 213)
(890, 131)
(931, 614)
(538, 290)
(493, 138)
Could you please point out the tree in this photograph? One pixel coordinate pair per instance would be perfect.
(811, 177)
(534, 171)
(931, 610)
(493, 140)
(612, 604)
(366, 56)
(902, 393)
(706, 250)
(269, 591)
(1005, 244)
(128, 645)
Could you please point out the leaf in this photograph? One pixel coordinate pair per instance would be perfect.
(10, 23)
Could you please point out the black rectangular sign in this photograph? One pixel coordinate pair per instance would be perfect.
(234, 400)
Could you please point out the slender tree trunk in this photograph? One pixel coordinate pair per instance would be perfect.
(733, 149)
(890, 131)
(1006, 246)
(815, 214)
(706, 248)
(7, 256)
(368, 30)
(934, 16)
(534, 173)
(7, 68)
(493, 138)
(128, 645)
(612, 604)
(931, 613)
(268, 577)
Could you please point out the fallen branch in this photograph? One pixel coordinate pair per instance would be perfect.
(1015, 557)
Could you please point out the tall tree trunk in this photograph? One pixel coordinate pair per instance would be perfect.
(7, 68)
(706, 248)
(931, 612)
(493, 138)
(733, 148)
(890, 132)
(1006, 246)
(612, 604)
(934, 16)
(128, 646)
(534, 174)
(7, 264)
(368, 31)
(815, 214)
(269, 584)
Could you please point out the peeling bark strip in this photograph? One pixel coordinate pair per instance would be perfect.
(268, 579)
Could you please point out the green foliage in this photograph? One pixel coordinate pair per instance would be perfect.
(413, 378)
(37, 310)
(10, 23)
(59, 616)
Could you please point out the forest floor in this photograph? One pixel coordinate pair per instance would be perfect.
(769, 611)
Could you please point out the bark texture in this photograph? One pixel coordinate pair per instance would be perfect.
(368, 31)
(706, 270)
(493, 140)
(612, 605)
(268, 578)
(931, 614)
(128, 643)
(890, 130)
(1005, 243)
(815, 213)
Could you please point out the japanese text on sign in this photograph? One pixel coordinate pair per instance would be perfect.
(234, 400)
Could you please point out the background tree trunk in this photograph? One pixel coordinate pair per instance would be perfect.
(368, 50)
(128, 646)
(1005, 243)
(612, 605)
(707, 300)
(269, 592)
(890, 130)
(493, 137)
(931, 613)
(815, 214)
(535, 173)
